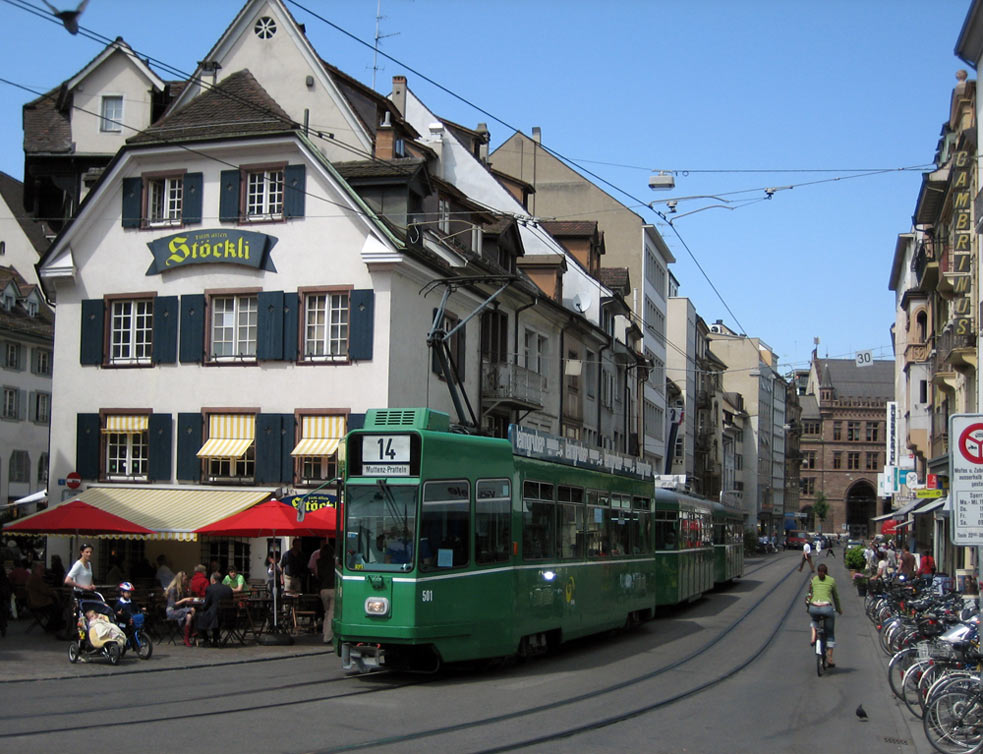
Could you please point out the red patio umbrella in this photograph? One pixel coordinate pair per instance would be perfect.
(323, 520)
(76, 517)
(270, 519)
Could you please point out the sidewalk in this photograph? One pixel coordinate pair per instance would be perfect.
(36, 655)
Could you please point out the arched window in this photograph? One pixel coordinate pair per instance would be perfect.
(921, 325)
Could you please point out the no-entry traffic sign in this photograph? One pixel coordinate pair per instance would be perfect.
(73, 480)
(966, 478)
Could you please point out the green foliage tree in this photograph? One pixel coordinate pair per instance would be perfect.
(854, 559)
(820, 508)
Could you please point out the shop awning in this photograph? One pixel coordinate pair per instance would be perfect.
(320, 436)
(172, 513)
(932, 505)
(129, 424)
(229, 436)
(902, 511)
(903, 524)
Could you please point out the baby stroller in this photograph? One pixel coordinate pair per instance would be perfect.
(97, 632)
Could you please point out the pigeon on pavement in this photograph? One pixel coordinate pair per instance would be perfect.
(861, 713)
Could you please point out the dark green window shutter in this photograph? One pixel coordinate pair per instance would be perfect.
(189, 442)
(160, 442)
(295, 190)
(291, 311)
(360, 319)
(192, 328)
(356, 421)
(191, 212)
(287, 431)
(132, 202)
(269, 449)
(165, 330)
(88, 441)
(269, 326)
(228, 209)
(93, 331)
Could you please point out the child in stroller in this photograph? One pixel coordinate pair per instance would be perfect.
(130, 618)
(98, 634)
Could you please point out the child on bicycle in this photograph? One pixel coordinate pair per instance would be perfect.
(820, 602)
(125, 607)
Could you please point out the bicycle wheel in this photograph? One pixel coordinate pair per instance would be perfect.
(820, 658)
(953, 722)
(909, 686)
(887, 633)
(954, 680)
(145, 647)
(897, 667)
(933, 673)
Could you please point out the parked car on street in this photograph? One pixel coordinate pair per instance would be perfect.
(794, 539)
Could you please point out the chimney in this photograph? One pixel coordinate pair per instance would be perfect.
(537, 134)
(435, 140)
(483, 138)
(385, 139)
(398, 95)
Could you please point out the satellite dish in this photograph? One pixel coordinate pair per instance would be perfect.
(581, 302)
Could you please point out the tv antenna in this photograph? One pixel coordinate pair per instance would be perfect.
(378, 36)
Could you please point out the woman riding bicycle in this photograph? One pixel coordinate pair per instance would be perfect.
(821, 601)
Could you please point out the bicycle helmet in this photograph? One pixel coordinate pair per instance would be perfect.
(126, 586)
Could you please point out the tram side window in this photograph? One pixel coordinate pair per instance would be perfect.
(618, 526)
(445, 525)
(642, 542)
(665, 531)
(570, 513)
(538, 521)
(492, 520)
(598, 514)
(720, 533)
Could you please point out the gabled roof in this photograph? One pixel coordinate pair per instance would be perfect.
(615, 278)
(237, 106)
(17, 320)
(565, 228)
(48, 119)
(851, 381)
(12, 192)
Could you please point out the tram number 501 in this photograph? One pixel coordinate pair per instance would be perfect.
(426, 595)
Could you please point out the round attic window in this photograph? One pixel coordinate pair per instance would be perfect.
(265, 28)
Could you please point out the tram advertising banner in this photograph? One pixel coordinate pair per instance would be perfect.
(966, 478)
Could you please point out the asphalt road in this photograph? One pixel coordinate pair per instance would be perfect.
(732, 672)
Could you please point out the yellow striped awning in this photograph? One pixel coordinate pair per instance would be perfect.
(229, 436)
(171, 513)
(320, 436)
(127, 424)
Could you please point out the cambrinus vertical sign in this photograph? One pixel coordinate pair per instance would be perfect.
(892, 433)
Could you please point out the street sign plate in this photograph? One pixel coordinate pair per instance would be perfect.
(966, 478)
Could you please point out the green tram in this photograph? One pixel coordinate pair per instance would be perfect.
(728, 543)
(459, 547)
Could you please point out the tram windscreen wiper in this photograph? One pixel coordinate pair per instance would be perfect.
(391, 503)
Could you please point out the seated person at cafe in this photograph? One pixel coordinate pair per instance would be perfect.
(199, 582)
(208, 617)
(235, 580)
(42, 600)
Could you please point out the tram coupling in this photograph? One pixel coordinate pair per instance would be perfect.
(362, 658)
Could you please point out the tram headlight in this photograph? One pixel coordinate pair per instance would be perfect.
(377, 606)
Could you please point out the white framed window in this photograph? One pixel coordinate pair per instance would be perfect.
(112, 113)
(264, 195)
(443, 215)
(20, 466)
(43, 361)
(127, 455)
(12, 353)
(243, 467)
(131, 331)
(233, 334)
(165, 200)
(326, 320)
(10, 403)
(535, 352)
(42, 408)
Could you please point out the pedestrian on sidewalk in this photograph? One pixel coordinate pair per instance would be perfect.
(806, 558)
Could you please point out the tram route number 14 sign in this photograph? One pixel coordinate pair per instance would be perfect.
(966, 478)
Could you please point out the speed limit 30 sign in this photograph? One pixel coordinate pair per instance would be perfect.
(966, 478)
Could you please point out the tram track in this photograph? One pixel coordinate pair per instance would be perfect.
(593, 694)
(271, 697)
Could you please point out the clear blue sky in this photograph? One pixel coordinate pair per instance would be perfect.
(712, 87)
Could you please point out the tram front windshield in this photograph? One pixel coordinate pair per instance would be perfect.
(380, 527)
